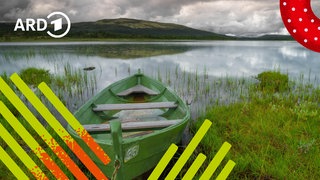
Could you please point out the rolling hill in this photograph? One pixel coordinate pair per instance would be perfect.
(122, 28)
(133, 28)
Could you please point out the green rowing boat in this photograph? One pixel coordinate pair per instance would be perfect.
(134, 120)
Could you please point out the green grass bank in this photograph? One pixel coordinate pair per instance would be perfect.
(274, 131)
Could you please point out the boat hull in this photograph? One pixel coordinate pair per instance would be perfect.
(137, 154)
(150, 150)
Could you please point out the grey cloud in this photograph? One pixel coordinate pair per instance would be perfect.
(239, 17)
(155, 8)
(233, 17)
(10, 6)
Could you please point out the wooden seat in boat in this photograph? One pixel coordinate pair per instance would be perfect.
(134, 106)
(130, 126)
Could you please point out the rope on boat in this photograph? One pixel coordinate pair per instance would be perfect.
(116, 169)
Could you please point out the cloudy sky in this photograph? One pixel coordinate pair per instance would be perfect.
(238, 17)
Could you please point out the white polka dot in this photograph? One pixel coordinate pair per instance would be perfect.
(316, 38)
(300, 19)
(319, 28)
(305, 40)
(289, 20)
(284, 3)
(312, 20)
(294, 31)
(305, 10)
(293, 9)
(305, 29)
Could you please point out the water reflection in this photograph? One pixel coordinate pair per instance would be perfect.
(131, 51)
(113, 59)
(234, 58)
(169, 61)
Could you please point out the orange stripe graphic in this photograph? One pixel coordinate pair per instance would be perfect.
(70, 142)
(74, 123)
(36, 148)
(38, 175)
(83, 157)
(66, 160)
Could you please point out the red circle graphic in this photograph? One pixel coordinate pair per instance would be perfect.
(301, 22)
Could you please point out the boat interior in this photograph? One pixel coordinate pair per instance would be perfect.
(139, 117)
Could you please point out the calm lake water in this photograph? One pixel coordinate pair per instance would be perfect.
(115, 60)
(207, 59)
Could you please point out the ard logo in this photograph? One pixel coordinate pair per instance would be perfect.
(41, 24)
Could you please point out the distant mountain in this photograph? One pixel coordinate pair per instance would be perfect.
(133, 28)
(122, 28)
(270, 37)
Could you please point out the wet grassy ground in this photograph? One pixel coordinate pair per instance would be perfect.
(274, 134)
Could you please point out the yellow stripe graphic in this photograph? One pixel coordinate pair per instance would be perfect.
(194, 167)
(46, 114)
(29, 140)
(163, 162)
(200, 159)
(73, 122)
(49, 140)
(189, 150)
(23, 156)
(12, 166)
(26, 113)
(216, 161)
(226, 170)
